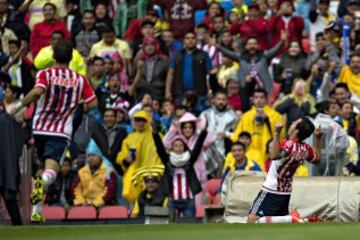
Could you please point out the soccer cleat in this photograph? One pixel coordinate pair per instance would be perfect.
(37, 218)
(295, 217)
(38, 192)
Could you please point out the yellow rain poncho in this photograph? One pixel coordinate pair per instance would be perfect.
(260, 134)
(146, 160)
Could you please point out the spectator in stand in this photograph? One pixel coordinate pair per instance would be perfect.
(333, 145)
(348, 119)
(167, 115)
(11, 97)
(152, 196)
(263, 7)
(109, 137)
(226, 40)
(138, 156)
(116, 49)
(108, 67)
(19, 68)
(180, 180)
(86, 35)
(189, 127)
(228, 70)
(259, 122)
(237, 160)
(113, 97)
(188, 71)
(35, 8)
(233, 96)
(151, 71)
(95, 184)
(181, 14)
(129, 10)
(6, 35)
(12, 19)
(285, 21)
(297, 104)
(350, 74)
(291, 67)
(102, 16)
(45, 59)
(272, 8)
(173, 46)
(60, 192)
(217, 25)
(213, 9)
(239, 6)
(254, 64)
(320, 17)
(342, 93)
(220, 120)
(97, 77)
(42, 32)
(254, 25)
(203, 37)
(245, 138)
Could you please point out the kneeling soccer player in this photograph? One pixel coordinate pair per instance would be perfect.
(272, 203)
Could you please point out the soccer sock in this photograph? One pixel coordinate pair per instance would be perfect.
(275, 219)
(49, 177)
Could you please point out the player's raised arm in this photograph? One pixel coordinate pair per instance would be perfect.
(274, 148)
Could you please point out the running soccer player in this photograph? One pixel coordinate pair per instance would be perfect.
(58, 91)
(272, 203)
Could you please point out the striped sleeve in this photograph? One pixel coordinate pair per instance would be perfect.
(41, 79)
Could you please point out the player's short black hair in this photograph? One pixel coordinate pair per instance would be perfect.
(245, 134)
(239, 144)
(260, 90)
(305, 129)
(63, 52)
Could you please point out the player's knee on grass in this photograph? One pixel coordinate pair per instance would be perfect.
(252, 218)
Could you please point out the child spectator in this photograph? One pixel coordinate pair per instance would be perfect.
(95, 183)
(180, 180)
(151, 196)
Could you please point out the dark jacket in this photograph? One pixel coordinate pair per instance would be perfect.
(156, 85)
(54, 192)
(110, 152)
(157, 200)
(12, 139)
(191, 176)
(295, 66)
(199, 72)
(15, 22)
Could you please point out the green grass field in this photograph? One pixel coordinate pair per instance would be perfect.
(342, 231)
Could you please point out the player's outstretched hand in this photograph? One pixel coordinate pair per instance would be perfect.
(318, 133)
(279, 127)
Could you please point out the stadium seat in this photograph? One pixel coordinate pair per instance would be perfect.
(200, 211)
(213, 185)
(54, 213)
(113, 212)
(81, 213)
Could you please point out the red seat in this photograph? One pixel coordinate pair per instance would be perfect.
(213, 185)
(200, 211)
(54, 213)
(82, 212)
(113, 212)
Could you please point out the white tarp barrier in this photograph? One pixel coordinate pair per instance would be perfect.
(333, 198)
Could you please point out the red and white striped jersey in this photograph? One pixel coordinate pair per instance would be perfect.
(180, 186)
(280, 176)
(55, 109)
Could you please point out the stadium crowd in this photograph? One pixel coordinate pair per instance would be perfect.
(188, 91)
